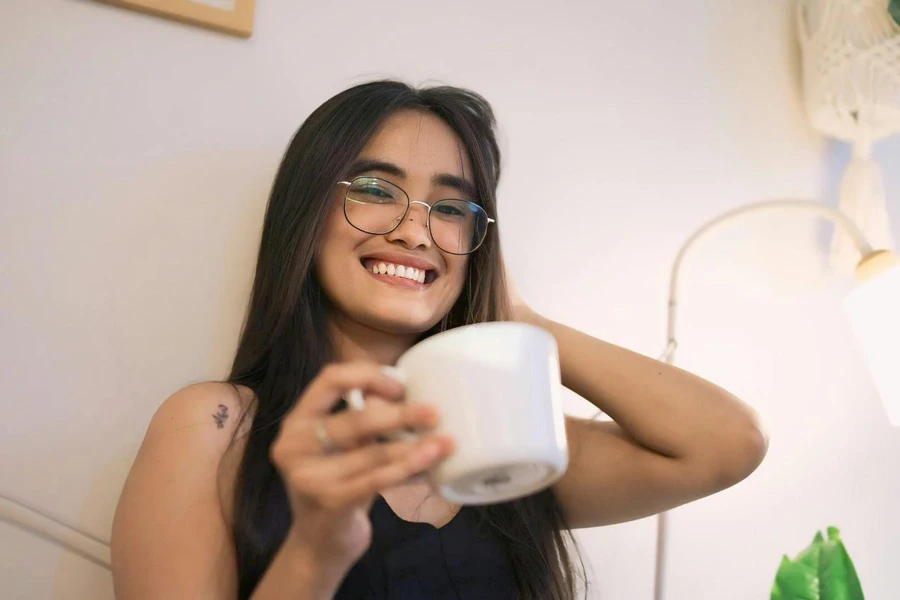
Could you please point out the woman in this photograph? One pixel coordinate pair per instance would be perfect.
(378, 233)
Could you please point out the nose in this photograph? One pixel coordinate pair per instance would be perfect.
(413, 231)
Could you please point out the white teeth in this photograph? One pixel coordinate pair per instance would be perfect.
(411, 273)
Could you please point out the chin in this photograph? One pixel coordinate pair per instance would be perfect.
(402, 324)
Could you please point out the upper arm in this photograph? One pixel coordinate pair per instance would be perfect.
(170, 538)
(611, 478)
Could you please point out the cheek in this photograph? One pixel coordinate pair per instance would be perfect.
(459, 267)
(327, 247)
(336, 244)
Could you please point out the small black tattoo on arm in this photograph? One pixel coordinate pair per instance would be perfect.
(221, 416)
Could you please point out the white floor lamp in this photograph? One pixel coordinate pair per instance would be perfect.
(850, 53)
(873, 309)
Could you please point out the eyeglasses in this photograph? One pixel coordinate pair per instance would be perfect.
(377, 206)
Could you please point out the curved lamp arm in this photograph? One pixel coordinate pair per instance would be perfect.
(668, 356)
(838, 218)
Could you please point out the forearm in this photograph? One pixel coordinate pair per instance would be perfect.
(662, 407)
(296, 573)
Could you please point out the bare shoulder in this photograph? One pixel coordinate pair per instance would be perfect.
(210, 421)
(170, 517)
(208, 411)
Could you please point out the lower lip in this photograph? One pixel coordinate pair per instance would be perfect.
(398, 281)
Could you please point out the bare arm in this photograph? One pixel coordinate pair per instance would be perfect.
(170, 536)
(675, 437)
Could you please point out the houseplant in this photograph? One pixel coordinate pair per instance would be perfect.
(822, 571)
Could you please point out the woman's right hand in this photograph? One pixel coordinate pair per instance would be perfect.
(332, 489)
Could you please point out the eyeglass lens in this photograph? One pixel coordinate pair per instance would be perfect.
(377, 206)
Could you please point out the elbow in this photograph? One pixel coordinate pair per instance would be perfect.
(754, 446)
(745, 449)
(732, 451)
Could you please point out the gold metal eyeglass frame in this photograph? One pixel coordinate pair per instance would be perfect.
(409, 204)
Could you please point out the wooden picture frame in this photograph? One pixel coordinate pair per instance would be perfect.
(234, 17)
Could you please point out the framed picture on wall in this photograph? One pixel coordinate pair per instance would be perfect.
(234, 17)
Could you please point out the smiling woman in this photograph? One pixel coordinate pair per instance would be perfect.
(378, 234)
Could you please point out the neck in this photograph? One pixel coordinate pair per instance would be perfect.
(355, 341)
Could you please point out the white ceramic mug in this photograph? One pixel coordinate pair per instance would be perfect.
(498, 389)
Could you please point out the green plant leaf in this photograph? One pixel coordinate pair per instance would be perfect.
(837, 576)
(822, 571)
(798, 579)
(894, 8)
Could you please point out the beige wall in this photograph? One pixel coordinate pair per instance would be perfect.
(135, 158)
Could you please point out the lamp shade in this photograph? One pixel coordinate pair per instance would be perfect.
(873, 309)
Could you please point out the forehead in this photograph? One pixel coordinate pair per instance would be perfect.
(420, 143)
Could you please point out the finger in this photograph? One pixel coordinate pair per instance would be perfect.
(407, 434)
(346, 479)
(351, 429)
(337, 379)
(363, 460)
(356, 400)
(302, 436)
(394, 473)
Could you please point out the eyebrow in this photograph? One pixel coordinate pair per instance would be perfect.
(365, 165)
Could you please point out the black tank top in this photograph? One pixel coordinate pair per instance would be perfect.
(461, 560)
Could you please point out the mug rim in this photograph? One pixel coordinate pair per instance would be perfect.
(463, 329)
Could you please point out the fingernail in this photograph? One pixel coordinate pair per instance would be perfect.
(394, 373)
(355, 399)
(431, 450)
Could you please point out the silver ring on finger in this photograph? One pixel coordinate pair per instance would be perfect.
(322, 434)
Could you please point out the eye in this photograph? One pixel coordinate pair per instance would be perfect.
(372, 191)
(448, 209)
(375, 191)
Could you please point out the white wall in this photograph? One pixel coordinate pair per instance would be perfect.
(136, 155)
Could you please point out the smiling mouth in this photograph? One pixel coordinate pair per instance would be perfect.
(400, 273)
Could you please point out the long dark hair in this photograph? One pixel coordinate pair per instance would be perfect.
(285, 343)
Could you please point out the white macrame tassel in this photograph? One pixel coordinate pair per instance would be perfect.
(862, 199)
(851, 88)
